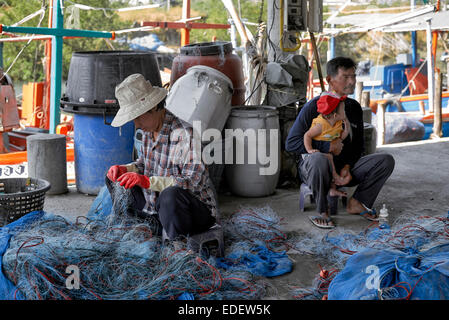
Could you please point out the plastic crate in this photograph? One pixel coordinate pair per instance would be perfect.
(19, 196)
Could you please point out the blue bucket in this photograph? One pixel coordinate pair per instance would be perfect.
(98, 146)
(90, 96)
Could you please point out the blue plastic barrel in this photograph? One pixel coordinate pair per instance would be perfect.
(90, 96)
(98, 146)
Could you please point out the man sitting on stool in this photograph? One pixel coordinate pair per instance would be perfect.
(168, 181)
(369, 172)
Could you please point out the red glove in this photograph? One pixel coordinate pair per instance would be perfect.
(116, 171)
(131, 179)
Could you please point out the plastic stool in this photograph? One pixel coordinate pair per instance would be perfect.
(304, 191)
(196, 241)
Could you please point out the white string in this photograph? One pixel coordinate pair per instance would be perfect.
(148, 28)
(73, 18)
(86, 7)
(25, 46)
(27, 18)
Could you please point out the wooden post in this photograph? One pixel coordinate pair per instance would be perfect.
(381, 123)
(365, 103)
(447, 68)
(422, 107)
(273, 30)
(358, 91)
(365, 100)
(317, 59)
(310, 84)
(437, 115)
(430, 66)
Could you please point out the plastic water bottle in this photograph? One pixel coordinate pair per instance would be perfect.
(383, 216)
(383, 212)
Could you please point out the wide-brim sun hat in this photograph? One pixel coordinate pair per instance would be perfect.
(136, 96)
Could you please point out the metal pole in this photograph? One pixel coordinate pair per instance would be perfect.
(273, 30)
(381, 123)
(233, 34)
(47, 86)
(1, 55)
(414, 49)
(437, 116)
(414, 38)
(331, 51)
(56, 67)
(185, 33)
(430, 68)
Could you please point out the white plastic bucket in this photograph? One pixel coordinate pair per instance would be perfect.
(202, 94)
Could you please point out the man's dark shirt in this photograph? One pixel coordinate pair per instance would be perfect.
(352, 149)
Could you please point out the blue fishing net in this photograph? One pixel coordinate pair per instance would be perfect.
(8, 290)
(256, 243)
(102, 205)
(123, 261)
(257, 259)
(408, 260)
(256, 224)
(375, 274)
(116, 256)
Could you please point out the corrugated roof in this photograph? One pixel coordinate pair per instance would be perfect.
(399, 22)
(439, 21)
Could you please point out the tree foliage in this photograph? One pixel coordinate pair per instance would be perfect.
(29, 66)
(215, 12)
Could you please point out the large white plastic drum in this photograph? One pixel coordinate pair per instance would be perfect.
(255, 163)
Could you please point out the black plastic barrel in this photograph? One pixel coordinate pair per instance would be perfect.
(370, 136)
(93, 76)
(90, 95)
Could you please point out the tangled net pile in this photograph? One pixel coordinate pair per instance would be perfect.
(255, 225)
(118, 258)
(118, 261)
(408, 234)
(256, 243)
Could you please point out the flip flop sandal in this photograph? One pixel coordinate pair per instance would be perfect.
(316, 224)
(370, 212)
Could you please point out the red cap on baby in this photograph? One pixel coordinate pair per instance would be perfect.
(328, 103)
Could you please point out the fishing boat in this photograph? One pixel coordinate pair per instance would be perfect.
(403, 87)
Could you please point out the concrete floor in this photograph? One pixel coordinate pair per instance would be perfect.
(419, 185)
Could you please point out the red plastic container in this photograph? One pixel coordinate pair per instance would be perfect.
(217, 55)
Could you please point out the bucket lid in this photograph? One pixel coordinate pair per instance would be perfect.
(113, 53)
(213, 71)
(207, 48)
(80, 108)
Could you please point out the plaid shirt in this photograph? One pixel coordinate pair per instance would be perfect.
(172, 155)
